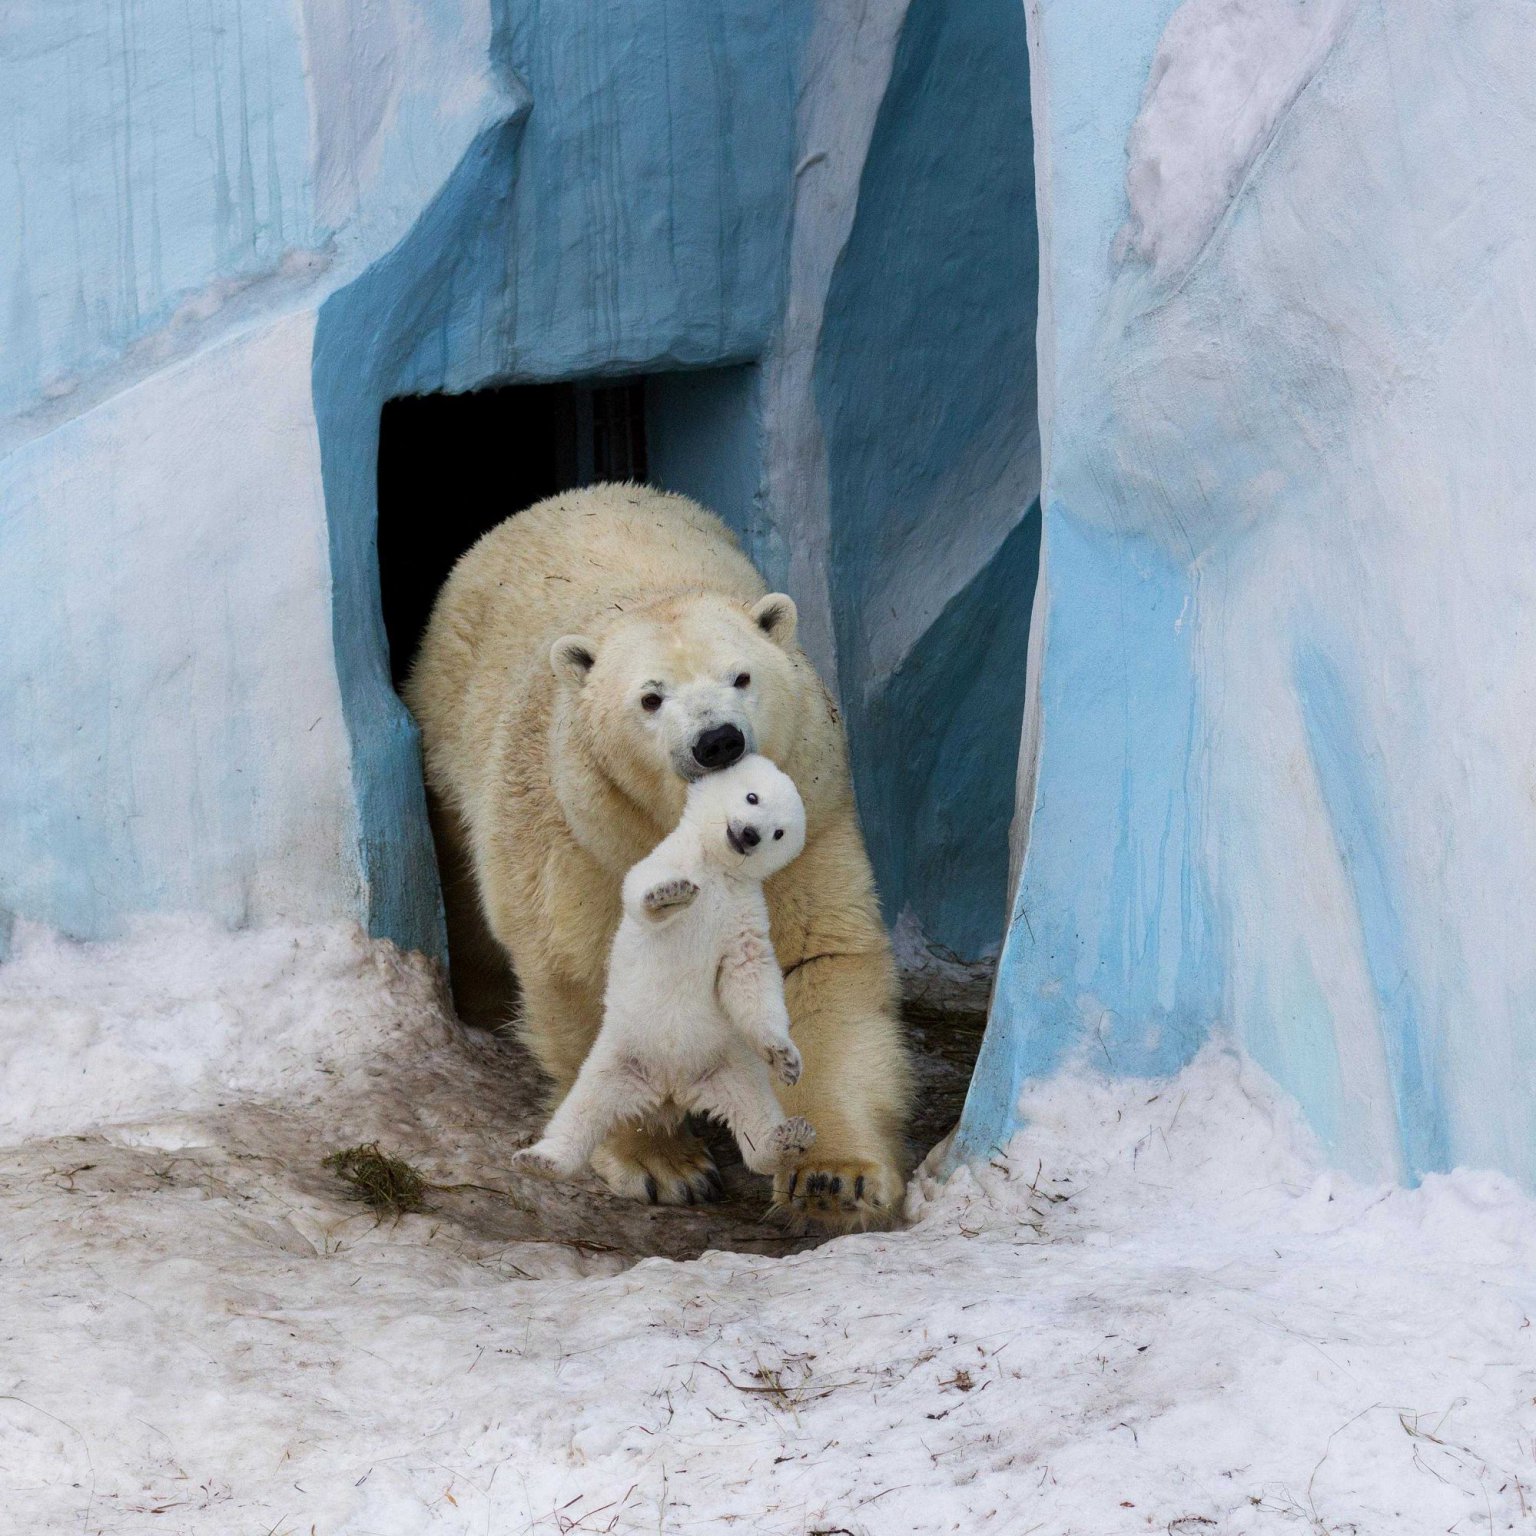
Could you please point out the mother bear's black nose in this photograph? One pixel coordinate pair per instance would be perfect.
(719, 747)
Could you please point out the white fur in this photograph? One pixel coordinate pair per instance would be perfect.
(694, 1015)
(552, 775)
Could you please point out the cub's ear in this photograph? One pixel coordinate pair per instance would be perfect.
(776, 615)
(571, 658)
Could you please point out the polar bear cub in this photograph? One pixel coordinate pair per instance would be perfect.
(694, 1016)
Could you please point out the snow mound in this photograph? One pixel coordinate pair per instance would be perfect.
(1218, 1154)
(183, 1016)
(1219, 1142)
(1224, 76)
(1154, 1312)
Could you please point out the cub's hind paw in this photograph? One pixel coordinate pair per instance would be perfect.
(791, 1138)
(668, 895)
(784, 1061)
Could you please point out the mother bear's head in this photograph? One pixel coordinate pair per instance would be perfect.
(680, 688)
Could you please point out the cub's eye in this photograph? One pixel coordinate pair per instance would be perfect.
(650, 702)
(777, 835)
(743, 678)
(751, 799)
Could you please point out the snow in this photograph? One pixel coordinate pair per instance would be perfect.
(1155, 1313)
(1224, 75)
(184, 1017)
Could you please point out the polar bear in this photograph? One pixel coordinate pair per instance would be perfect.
(694, 1016)
(585, 661)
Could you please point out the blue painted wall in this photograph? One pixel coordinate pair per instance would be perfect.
(145, 156)
(925, 386)
(243, 227)
(189, 184)
(704, 438)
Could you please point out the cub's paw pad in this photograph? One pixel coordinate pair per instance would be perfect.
(668, 895)
(792, 1138)
(784, 1061)
(658, 1167)
(820, 1189)
(537, 1161)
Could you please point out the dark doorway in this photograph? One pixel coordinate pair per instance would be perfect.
(453, 466)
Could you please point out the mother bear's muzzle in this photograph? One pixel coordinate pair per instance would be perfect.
(719, 747)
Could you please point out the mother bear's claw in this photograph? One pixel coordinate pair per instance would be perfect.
(658, 1168)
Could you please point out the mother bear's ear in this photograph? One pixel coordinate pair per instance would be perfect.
(776, 615)
(571, 658)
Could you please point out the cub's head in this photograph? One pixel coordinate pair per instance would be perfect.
(685, 687)
(750, 817)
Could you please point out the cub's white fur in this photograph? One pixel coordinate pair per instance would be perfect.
(694, 1016)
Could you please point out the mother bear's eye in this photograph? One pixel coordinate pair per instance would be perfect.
(751, 799)
(777, 835)
(650, 702)
(743, 678)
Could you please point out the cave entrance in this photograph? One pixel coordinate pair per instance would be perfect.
(453, 466)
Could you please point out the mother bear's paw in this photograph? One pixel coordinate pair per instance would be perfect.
(836, 1192)
(658, 1166)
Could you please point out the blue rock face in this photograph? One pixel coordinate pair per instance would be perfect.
(925, 386)
(247, 226)
(1279, 741)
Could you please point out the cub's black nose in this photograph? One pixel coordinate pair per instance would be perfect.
(719, 747)
(750, 836)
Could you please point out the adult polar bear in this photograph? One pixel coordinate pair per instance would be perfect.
(585, 661)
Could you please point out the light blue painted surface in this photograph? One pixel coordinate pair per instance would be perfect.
(1354, 796)
(1282, 754)
(171, 735)
(1111, 954)
(169, 732)
(144, 157)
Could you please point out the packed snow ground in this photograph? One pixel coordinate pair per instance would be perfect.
(1155, 1313)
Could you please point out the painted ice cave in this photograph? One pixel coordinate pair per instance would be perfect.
(1138, 398)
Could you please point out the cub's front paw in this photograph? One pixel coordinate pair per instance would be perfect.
(668, 895)
(536, 1160)
(784, 1060)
